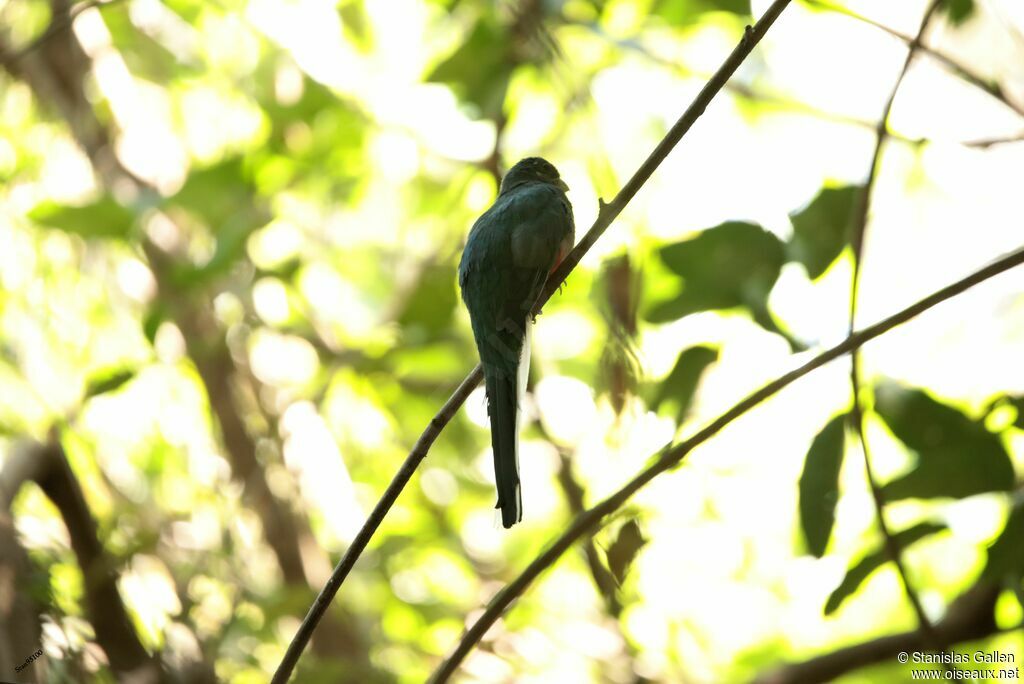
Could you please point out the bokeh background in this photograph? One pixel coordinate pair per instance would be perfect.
(228, 240)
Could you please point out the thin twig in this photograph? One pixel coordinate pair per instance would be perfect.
(604, 582)
(358, 545)
(671, 455)
(985, 143)
(957, 68)
(608, 212)
(739, 89)
(860, 223)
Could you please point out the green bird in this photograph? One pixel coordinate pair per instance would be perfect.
(512, 249)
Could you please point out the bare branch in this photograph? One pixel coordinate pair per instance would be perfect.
(860, 224)
(985, 143)
(20, 628)
(671, 456)
(969, 617)
(574, 497)
(605, 217)
(104, 606)
(610, 211)
(369, 528)
(24, 463)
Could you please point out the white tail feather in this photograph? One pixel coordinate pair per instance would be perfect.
(522, 377)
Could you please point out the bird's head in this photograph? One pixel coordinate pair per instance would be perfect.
(532, 169)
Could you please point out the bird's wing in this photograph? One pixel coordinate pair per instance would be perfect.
(538, 238)
(510, 252)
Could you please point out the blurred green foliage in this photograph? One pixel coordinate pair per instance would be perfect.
(257, 318)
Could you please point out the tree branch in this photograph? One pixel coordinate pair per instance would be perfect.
(574, 497)
(969, 617)
(610, 211)
(369, 528)
(24, 463)
(56, 73)
(985, 143)
(671, 455)
(857, 414)
(11, 60)
(743, 90)
(104, 606)
(20, 628)
(607, 214)
(47, 466)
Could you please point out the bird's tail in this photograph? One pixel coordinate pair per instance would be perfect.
(505, 392)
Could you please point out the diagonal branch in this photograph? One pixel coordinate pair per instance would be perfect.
(860, 223)
(604, 582)
(742, 90)
(608, 213)
(104, 607)
(672, 455)
(969, 617)
(358, 545)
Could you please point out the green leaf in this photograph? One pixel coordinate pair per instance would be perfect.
(104, 218)
(681, 383)
(189, 10)
(860, 570)
(956, 456)
(819, 485)
(145, 57)
(958, 11)
(623, 550)
(733, 264)
(220, 194)
(823, 228)
(283, 270)
(1006, 554)
(356, 24)
(684, 12)
(108, 380)
(480, 69)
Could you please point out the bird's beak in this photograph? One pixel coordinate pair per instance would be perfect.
(561, 184)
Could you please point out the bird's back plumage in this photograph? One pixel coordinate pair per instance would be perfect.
(510, 252)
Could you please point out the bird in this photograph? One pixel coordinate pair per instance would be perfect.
(511, 251)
